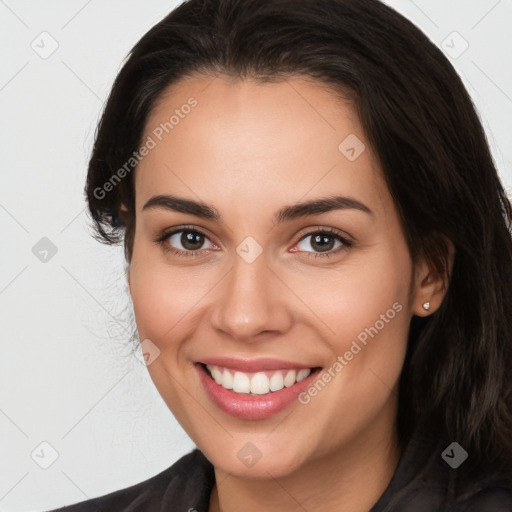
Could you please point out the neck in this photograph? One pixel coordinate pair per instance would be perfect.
(351, 478)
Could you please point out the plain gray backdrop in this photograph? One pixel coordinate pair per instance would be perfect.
(79, 415)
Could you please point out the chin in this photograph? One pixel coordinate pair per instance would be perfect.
(245, 460)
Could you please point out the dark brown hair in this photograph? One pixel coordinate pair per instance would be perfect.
(421, 123)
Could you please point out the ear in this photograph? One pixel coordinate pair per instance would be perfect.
(431, 282)
(123, 210)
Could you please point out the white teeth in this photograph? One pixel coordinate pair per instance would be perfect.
(260, 384)
(227, 379)
(256, 383)
(241, 383)
(216, 374)
(303, 374)
(289, 380)
(276, 382)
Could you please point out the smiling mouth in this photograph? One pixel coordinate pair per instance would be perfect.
(257, 383)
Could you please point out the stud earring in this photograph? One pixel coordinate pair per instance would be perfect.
(426, 306)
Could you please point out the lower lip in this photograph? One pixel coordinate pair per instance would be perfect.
(252, 407)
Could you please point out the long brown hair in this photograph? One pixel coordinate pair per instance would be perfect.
(421, 123)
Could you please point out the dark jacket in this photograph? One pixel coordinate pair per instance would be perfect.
(423, 482)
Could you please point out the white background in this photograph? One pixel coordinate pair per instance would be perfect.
(67, 375)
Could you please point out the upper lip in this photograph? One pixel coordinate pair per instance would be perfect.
(253, 365)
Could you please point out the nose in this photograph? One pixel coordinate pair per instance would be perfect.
(251, 300)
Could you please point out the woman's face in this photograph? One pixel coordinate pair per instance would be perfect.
(265, 287)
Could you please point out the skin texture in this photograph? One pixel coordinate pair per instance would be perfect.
(248, 149)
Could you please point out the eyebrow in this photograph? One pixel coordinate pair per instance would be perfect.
(287, 213)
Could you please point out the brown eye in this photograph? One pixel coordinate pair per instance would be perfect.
(323, 243)
(190, 240)
(184, 242)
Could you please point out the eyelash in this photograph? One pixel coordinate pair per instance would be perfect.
(163, 237)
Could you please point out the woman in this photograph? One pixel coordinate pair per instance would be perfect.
(320, 261)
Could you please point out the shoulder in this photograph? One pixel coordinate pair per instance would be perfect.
(185, 485)
(491, 492)
(425, 482)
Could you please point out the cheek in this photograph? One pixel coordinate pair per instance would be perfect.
(161, 299)
(165, 303)
(164, 298)
(360, 294)
(367, 312)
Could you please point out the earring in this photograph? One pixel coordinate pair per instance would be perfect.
(426, 306)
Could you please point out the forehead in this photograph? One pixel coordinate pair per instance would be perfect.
(222, 137)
